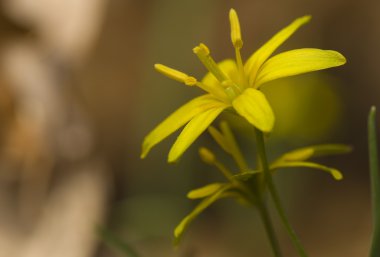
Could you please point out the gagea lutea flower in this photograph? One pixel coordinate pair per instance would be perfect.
(236, 85)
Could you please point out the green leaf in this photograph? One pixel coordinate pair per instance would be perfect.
(305, 153)
(181, 228)
(375, 182)
(116, 242)
(334, 172)
(204, 191)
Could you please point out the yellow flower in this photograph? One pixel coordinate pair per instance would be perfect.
(236, 85)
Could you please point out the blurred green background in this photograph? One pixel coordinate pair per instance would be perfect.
(79, 93)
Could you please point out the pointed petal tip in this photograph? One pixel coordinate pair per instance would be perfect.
(173, 157)
(339, 57)
(266, 126)
(158, 66)
(342, 58)
(337, 174)
(232, 13)
(145, 150)
(146, 146)
(267, 129)
(306, 18)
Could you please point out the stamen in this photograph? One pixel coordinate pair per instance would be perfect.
(209, 158)
(238, 44)
(176, 75)
(233, 146)
(203, 54)
(242, 78)
(235, 30)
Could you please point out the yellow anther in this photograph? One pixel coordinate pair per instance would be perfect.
(190, 81)
(202, 49)
(203, 54)
(176, 75)
(235, 30)
(206, 155)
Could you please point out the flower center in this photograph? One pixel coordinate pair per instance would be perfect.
(230, 88)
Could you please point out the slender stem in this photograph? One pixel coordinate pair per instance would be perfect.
(273, 192)
(226, 172)
(264, 214)
(375, 182)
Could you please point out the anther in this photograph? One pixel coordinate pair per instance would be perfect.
(235, 30)
(203, 54)
(176, 75)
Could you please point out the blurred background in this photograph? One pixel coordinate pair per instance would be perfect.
(78, 93)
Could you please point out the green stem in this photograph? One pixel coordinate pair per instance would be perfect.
(273, 192)
(265, 217)
(375, 182)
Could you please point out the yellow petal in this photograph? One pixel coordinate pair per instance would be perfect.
(254, 62)
(296, 62)
(229, 68)
(334, 172)
(193, 129)
(177, 120)
(204, 191)
(253, 105)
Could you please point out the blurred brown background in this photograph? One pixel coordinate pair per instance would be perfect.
(78, 93)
